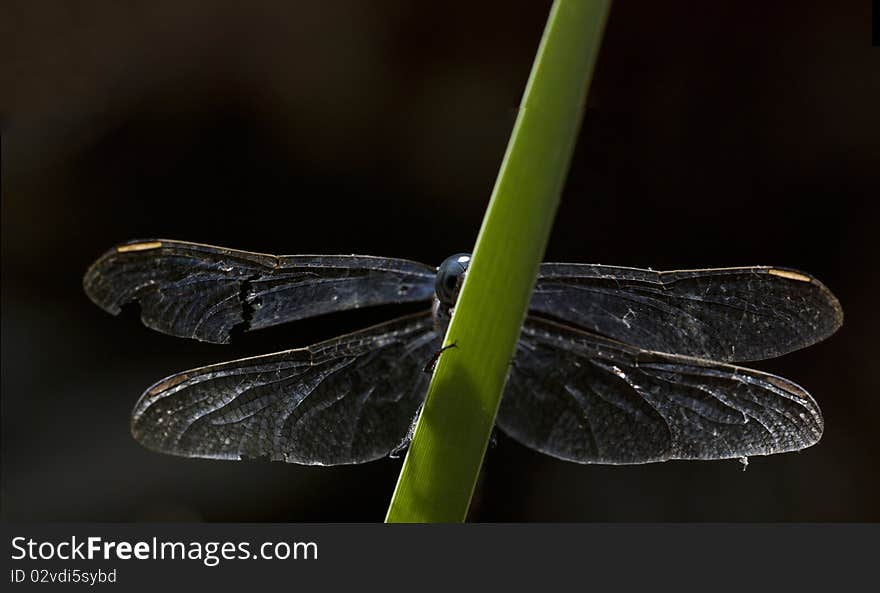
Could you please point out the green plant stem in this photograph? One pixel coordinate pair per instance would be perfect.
(444, 458)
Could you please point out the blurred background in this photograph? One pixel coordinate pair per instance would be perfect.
(716, 134)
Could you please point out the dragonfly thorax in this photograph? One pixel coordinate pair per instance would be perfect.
(450, 276)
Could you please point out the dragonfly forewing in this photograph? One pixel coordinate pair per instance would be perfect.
(204, 292)
(727, 314)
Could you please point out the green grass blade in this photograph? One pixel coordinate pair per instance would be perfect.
(444, 459)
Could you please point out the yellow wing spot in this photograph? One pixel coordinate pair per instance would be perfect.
(789, 275)
(139, 247)
(787, 386)
(168, 384)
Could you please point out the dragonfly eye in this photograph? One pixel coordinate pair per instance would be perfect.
(450, 275)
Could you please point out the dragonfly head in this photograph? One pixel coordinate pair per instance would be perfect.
(450, 275)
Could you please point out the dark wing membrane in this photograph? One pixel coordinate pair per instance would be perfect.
(584, 398)
(347, 400)
(729, 314)
(203, 292)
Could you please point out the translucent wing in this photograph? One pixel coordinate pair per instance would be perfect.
(347, 400)
(728, 314)
(203, 292)
(584, 398)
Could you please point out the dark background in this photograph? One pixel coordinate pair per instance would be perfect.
(717, 134)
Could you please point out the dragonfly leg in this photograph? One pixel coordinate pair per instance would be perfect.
(429, 367)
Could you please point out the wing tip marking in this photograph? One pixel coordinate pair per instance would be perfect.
(166, 384)
(789, 274)
(139, 246)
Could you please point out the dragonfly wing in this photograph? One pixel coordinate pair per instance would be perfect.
(728, 314)
(347, 400)
(585, 398)
(203, 292)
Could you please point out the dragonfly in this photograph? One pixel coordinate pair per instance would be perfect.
(614, 365)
